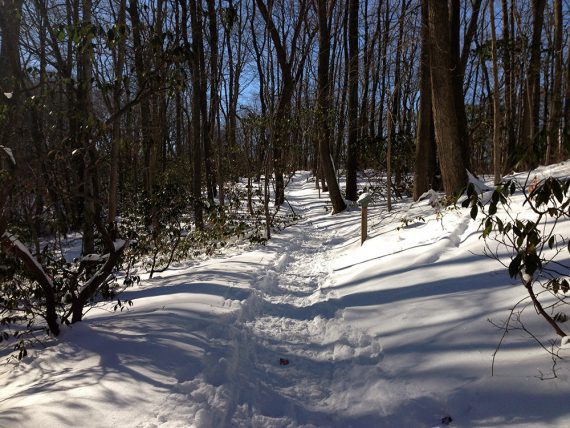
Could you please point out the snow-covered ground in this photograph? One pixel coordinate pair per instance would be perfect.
(311, 330)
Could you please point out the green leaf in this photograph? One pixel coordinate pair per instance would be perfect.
(565, 286)
(474, 211)
(557, 190)
(500, 225)
(493, 208)
(531, 263)
(551, 242)
(488, 228)
(514, 266)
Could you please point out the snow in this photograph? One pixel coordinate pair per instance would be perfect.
(393, 333)
(94, 258)
(23, 249)
(9, 153)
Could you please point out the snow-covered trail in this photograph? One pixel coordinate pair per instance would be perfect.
(325, 359)
(393, 333)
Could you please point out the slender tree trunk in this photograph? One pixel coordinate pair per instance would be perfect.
(458, 74)
(561, 151)
(366, 58)
(84, 103)
(510, 148)
(145, 113)
(531, 96)
(10, 19)
(323, 99)
(556, 106)
(352, 149)
(496, 100)
(117, 134)
(425, 139)
(214, 88)
(394, 110)
(283, 110)
(197, 124)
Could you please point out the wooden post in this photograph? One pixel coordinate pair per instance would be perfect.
(364, 224)
(363, 201)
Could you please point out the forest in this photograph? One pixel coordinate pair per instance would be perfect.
(135, 123)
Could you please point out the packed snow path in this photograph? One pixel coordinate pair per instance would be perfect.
(311, 330)
(285, 363)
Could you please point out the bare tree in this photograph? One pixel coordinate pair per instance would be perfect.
(287, 61)
(449, 131)
(556, 99)
(496, 99)
(425, 137)
(531, 97)
(323, 100)
(352, 149)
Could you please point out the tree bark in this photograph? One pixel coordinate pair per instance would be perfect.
(425, 139)
(510, 146)
(531, 96)
(561, 150)
(352, 149)
(197, 120)
(556, 100)
(323, 99)
(145, 113)
(10, 19)
(450, 136)
(289, 79)
(119, 63)
(496, 100)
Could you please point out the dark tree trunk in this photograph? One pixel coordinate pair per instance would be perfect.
(556, 106)
(425, 139)
(531, 96)
(352, 149)
(324, 105)
(197, 111)
(510, 145)
(450, 136)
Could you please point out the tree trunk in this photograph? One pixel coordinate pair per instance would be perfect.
(214, 95)
(556, 101)
(425, 138)
(323, 99)
(450, 136)
(531, 97)
(117, 134)
(352, 149)
(10, 19)
(197, 52)
(496, 101)
(561, 151)
(289, 79)
(145, 113)
(458, 73)
(509, 150)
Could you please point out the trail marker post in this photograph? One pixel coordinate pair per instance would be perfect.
(363, 201)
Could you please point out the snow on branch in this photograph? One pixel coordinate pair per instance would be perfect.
(9, 153)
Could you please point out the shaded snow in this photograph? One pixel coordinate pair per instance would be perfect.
(393, 333)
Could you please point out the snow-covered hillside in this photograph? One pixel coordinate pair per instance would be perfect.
(311, 330)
